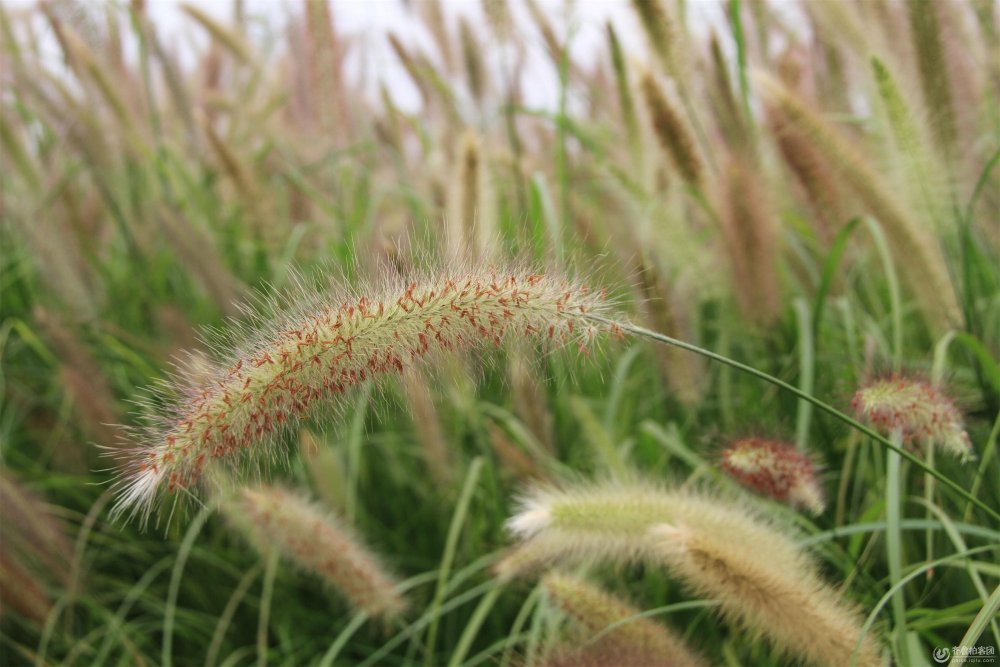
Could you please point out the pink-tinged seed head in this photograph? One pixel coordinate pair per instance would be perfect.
(776, 470)
(288, 366)
(919, 411)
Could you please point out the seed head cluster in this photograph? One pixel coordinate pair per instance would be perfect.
(287, 366)
(774, 469)
(919, 411)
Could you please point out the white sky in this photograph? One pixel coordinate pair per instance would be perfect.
(370, 20)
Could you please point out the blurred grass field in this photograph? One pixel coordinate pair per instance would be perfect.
(812, 192)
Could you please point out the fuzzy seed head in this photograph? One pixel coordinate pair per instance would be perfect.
(764, 584)
(720, 550)
(918, 410)
(672, 132)
(273, 518)
(283, 368)
(775, 469)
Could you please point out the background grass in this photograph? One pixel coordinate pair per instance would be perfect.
(144, 194)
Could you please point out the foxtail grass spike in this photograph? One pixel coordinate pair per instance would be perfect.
(661, 33)
(932, 61)
(475, 72)
(749, 230)
(775, 469)
(672, 131)
(720, 550)
(913, 245)
(922, 413)
(283, 367)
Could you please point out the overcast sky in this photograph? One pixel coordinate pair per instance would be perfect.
(369, 21)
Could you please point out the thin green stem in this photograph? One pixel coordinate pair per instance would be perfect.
(170, 613)
(807, 372)
(451, 546)
(473, 626)
(823, 406)
(988, 612)
(264, 619)
(211, 656)
(894, 546)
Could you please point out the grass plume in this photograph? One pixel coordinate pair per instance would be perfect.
(280, 370)
(775, 469)
(761, 578)
(672, 131)
(916, 249)
(749, 230)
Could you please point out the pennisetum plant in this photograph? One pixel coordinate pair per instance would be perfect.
(286, 367)
(762, 580)
(282, 367)
(913, 412)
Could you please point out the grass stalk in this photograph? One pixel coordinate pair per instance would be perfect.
(226, 618)
(894, 546)
(823, 406)
(448, 557)
(266, 597)
(170, 613)
(807, 372)
(473, 625)
(986, 615)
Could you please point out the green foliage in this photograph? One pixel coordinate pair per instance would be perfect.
(143, 195)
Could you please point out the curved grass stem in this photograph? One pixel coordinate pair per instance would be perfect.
(627, 327)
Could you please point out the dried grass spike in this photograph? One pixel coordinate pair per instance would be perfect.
(618, 624)
(672, 132)
(299, 530)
